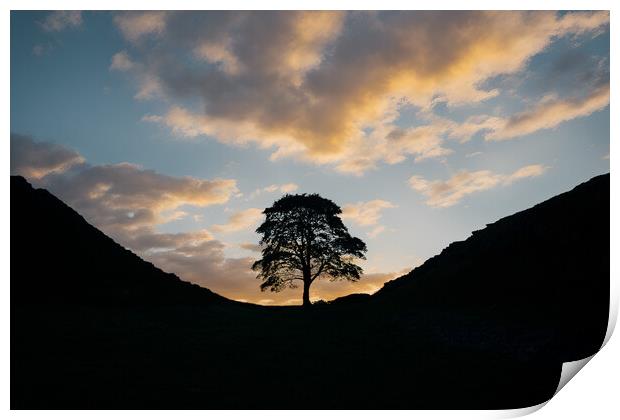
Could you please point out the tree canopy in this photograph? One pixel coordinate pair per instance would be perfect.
(304, 239)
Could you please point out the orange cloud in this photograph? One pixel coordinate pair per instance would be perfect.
(325, 87)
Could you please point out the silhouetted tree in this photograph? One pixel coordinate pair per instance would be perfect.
(303, 239)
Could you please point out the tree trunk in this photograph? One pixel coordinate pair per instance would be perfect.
(306, 301)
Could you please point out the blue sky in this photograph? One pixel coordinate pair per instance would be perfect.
(421, 126)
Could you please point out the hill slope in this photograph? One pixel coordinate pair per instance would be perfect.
(544, 269)
(57, 257)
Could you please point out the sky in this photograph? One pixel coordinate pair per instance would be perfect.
(172, 131)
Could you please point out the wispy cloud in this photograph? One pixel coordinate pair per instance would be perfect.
(136, 25)
(284, 188)
(250, 247)
(42, 49)
(280, 188)
(376, 231)
(366, 213)
(241, 220)
(61, 20)
(121, 62)
(549, 114)
(450, 192)
(473, 154)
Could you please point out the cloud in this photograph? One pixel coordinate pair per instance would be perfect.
(589, 93)
(35, 160)
(326, 87)
(366, 213)
(146, 240)
(150, 87)
(391, 144)
(529, 171)
(241, 220)
(136, 25)
(283, 189)
(121, 62)
(205, 264)
(452, 191)
(473, 154)
(126, 196)
(42, 49)
(548, 114)
(121, 198)
(61, 20)
(250, 247)
(376, 231)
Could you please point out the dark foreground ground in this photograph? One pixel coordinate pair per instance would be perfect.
(224, 357)
(486, 324)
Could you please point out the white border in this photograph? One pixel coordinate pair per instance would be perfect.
(593, 394)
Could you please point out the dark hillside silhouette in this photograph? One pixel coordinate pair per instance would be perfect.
(543, 272)
(57, 257)
(485, 324)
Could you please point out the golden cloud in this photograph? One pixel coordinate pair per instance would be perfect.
(366, 213)
(326, 86)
